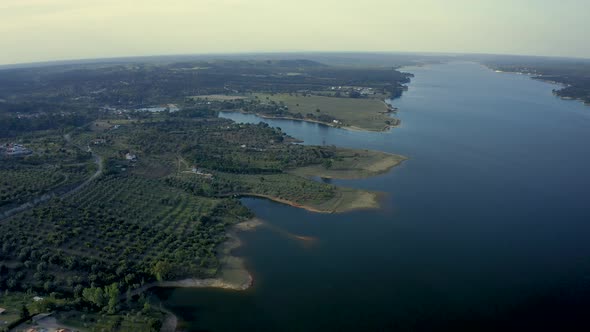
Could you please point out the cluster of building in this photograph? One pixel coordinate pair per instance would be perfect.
(14, 150)
(160, 108)
(99, 141)
(361, 90)
(201, 172)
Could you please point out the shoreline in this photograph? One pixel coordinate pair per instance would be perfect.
(223, 281)
(386, 128)
(233, 275)
(540, 78)
(374, 196)
(378, 168)
(286, 202)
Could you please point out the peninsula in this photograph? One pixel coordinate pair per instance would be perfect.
(117, 178)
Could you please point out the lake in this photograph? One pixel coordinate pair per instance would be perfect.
(485, 227)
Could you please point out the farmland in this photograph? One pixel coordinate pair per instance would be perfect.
(142, 219)
(52, 166)
(358, 113)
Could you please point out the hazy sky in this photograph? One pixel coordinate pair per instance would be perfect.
(38, 30)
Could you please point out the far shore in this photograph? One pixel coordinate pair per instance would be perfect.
(541, 78)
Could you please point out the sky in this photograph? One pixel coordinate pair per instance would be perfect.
(45, 30)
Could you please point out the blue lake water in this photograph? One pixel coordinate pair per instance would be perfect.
(485, 227)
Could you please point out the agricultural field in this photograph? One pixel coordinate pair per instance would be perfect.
(360, 113)
(53, 166)
(120, 228)
(18, 185)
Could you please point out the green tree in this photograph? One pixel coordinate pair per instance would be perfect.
(155, 324)
(112, 293)
(161, 270)
(24, 312)
(94, 295)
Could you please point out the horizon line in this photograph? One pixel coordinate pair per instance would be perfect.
(129, 58)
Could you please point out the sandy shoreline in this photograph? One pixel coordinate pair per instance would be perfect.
(286, 202)
(233, 274)
(373, 197)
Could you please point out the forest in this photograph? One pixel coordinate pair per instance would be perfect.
(136, 85)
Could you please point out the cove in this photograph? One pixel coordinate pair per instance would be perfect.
(485, 227)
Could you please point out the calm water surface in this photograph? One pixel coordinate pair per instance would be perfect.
(485, 227)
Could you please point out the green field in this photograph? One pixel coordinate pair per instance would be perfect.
(358, 113)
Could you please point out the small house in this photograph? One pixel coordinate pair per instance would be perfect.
(131, 157)
(2, 310)
(16, 150)
(99, 141)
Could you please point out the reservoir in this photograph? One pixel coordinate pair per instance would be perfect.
(486, 227)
